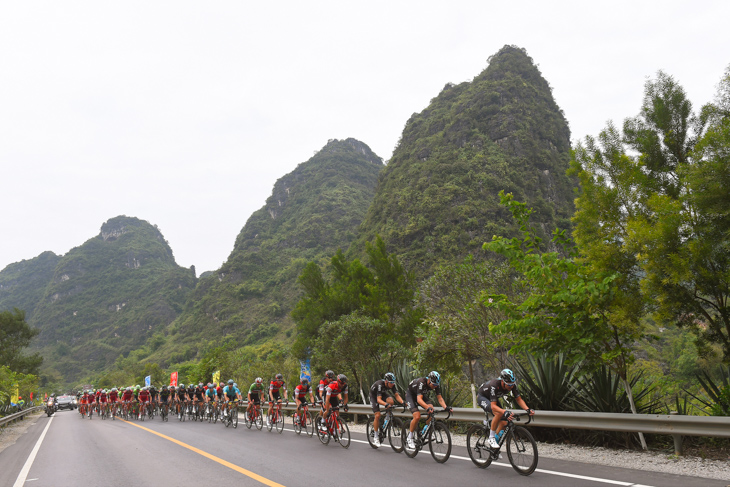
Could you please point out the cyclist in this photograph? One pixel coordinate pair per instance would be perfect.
(219, 391)
(336, 391)
(153, 394)
(230, 394)
(127, 397)
(488, 398)
(103, 399)
(300, 396)
(144, 399)
(211, 396)
(418, 395)
(164, 397)
(255, 394)
(274, 387)
(380, 396)
(329, 376)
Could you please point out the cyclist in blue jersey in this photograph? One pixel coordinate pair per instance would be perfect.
(230, 393)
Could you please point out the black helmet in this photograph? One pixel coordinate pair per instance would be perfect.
(342, 378)
(305, 382)
(330, 375)
(508, 376)
(279, 377)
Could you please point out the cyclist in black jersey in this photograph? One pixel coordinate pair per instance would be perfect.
(488, 398)
(380, 395)
(418, 395)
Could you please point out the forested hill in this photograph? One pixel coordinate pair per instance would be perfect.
(107, 297)
(312, 211)
(437, 199)
(23, 283)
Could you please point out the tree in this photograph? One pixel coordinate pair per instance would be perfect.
(571, 307)
(15, 335)
(455, 328)
(660, 219)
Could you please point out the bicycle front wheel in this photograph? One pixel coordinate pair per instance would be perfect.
(476, 445)
(410, 452)
(440, 442)
(234, 416)
(297, 421)
(279, 422)
(259, 420)
(343, 434)
(522, 451)
(309, 424)
(247, 419)
(323, 436)
(370, 432)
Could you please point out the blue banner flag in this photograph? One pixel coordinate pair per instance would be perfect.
(148, 381)
(306, 372)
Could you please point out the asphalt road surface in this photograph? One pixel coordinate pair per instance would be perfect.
(65, 450)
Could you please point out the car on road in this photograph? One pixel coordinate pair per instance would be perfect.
(65, 402)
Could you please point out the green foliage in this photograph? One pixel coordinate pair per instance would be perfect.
(22, 284)
(15, 336)
(10, 380)
(383, 291)
(455, 328)
(547, 382)
(437, 196)
(717, 400)
(661, 219)
(569, 308)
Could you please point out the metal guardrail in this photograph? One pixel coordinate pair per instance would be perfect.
(15, 416)
(661, 424)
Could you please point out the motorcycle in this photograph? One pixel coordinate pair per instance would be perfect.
(50, 407)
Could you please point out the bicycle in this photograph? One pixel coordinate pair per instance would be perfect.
(232, 417)
(164, 411)
(434, 433)
(182, 407)
(307, 418)
(210, 412)
(254, 416)
(336, 428)
(390, 427)
(521, 446)
(275, 417)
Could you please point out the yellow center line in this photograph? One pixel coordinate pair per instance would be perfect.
(230, 465)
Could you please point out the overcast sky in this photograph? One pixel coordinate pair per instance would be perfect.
(185, 113)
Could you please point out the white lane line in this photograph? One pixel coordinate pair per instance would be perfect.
(28, 463)
(548, 472)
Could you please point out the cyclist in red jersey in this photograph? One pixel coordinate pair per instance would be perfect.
(300, 396)
(144, 399)
(274, 387)
(336, 391)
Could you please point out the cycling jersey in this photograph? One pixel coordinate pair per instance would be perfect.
(127, 396)
(191, 392)
(493, 390)
(378, 389)
(113, 396)
(211, 393)
(335, 388)
(276, 385)
(144, 396)
(420, 387)
(219, 391)
(164, 395)
(103, 398)
(199, 393)
(322, 386)
(230, 392)
(300, 392)
(256, 388)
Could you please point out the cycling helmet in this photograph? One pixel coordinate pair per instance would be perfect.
(434, 377)
(305, 382)
(137, 386)
(259, 380)
(200, 384)
(330, 375)
(222, 384)
(389, 377)
(230, 382)
(342, 379)
(182, 386)
(279, 377)
(507, 376)
(114, 389)
(210, 385)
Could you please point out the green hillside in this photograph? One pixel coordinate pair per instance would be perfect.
(23, 283)
(108, 296)
(312, 211)
(437, 200)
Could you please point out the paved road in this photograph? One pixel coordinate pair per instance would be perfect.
(151, 453)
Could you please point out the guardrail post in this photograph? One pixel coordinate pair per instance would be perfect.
(677, 439)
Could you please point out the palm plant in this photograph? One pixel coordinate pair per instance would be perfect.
(547, 382)
(717, 401)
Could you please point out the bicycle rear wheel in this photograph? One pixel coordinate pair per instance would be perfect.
(395, 430)
(440, 442)
(259, 420)
(370, 432)
(410, 452)
(234, 417)
(522, 451)
(297, 421)
(323, 436)
(476, 444)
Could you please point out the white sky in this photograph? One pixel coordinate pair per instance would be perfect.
(185, 113)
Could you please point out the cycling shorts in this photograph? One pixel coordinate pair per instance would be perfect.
(413, 403)
(275, 395)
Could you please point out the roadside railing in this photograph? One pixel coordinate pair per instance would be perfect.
(674, 425)
(20, 414)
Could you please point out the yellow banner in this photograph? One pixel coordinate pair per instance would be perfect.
(15, 394)
(216, 377)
